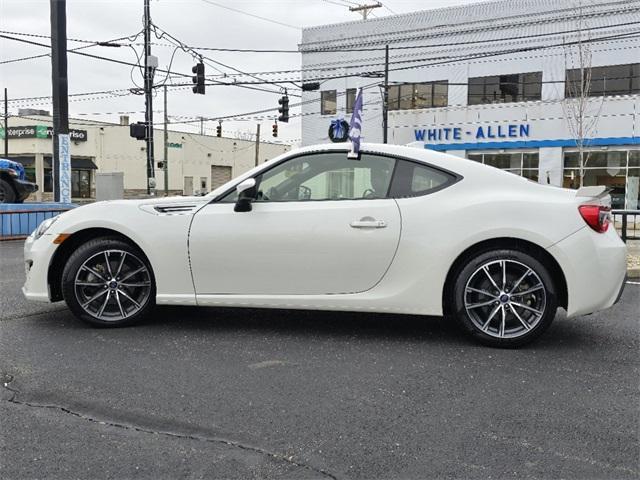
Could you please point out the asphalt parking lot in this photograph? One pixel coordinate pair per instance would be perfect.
(239, 393)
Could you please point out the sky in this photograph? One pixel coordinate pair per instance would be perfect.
(197, 23)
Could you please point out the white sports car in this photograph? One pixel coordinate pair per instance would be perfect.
(398, 230)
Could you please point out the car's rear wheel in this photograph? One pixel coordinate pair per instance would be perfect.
(505, 298)
(7, 195)
(108, 282)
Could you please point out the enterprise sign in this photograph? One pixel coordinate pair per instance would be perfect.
(518, 130)
(41, 131)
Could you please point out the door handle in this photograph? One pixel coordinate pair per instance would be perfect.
(368, 224)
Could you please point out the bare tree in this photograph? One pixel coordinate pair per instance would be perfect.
(581, 110)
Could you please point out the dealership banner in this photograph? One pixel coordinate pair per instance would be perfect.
(41, 131)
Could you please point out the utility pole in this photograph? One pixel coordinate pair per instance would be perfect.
(166, 145)
(385, 96)
(201, 125)
(150, 63)
(6, 124)
(365, 9)
(60, 101)
(257, 143)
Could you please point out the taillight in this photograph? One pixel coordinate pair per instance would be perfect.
(596, 216)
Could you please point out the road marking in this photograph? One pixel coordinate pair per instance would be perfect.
(632, 283)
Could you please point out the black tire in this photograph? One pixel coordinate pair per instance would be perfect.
(518, 308)
(7, 194)
(114, 249)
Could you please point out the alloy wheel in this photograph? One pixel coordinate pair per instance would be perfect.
(505, 298)
(112, 285)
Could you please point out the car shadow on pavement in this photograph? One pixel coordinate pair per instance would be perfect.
(307, 322)
(331, 324)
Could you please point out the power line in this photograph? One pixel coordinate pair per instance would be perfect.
(468, 42)
(463, 58)
(130, 64)
(90, 44)
(186, 48)
(210, 2)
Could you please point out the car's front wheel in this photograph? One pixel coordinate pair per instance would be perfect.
(505, 298)
(108, 282)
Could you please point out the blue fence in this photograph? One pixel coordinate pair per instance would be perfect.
(18, 220)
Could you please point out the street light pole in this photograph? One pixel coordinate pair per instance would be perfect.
(166, 145)
(149, 67)
(6, 124)
(385, 96)
(60, 98)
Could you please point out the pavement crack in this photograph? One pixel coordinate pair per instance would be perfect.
(6, 380)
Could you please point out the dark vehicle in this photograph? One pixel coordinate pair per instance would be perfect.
(14, 187)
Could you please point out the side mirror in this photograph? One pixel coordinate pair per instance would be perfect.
(246, 194)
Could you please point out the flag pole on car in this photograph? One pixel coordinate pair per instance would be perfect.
(355, 126)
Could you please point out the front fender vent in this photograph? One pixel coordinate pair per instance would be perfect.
(174, 209)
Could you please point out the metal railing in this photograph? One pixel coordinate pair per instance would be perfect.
(18, 224)
(628, 223)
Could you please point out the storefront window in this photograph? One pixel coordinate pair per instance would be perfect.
(604, 81)
(518, 87)
(80, 182)
(524, 164)
(328, 102)
(48, 181)
(410, 96)
(30, 173)
(615, 169)
(351, 99)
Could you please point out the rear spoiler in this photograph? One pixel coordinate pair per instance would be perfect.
(599, 191)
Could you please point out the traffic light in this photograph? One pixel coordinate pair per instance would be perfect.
(274, 129)
(198, 78)
(283, 109)
(138, 130)
(219, 130)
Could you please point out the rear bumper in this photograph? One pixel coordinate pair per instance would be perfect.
(595, 268)
(24, 188)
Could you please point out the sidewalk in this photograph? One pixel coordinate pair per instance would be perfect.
(633, 258)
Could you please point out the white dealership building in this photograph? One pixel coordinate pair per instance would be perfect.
(497, 82)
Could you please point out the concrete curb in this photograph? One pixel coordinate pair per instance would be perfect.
(633, 273)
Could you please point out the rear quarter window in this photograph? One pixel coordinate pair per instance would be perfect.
(415, 179)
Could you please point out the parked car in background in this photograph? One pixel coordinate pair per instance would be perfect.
(398, 230)
(14, 187)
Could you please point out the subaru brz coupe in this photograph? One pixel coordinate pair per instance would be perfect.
(396, 230)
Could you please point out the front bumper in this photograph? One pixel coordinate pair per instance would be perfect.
(37, 257)
(595, 269)
(24, 189)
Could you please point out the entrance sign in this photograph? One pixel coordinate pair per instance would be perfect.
(64, 175)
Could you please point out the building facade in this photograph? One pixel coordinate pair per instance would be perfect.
(547, 89)
(196, 163)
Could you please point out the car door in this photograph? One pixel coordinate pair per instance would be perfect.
(320, 224)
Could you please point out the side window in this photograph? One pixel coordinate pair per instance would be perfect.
(414, 179)
(324, 176)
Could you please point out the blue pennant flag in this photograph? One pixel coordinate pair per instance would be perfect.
(356, 126)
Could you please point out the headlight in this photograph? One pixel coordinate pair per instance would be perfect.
(44, 226)
(14, 173)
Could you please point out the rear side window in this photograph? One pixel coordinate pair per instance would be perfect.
(414, 179)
